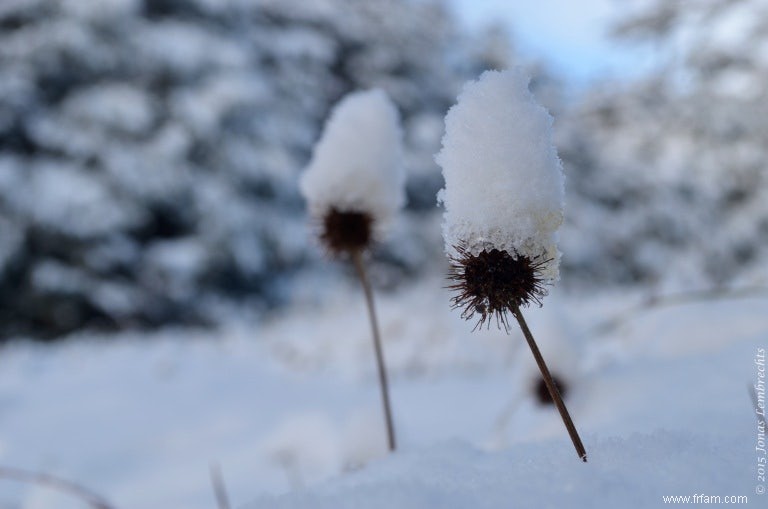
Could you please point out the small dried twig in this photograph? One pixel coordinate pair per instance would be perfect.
(222, 500)
(55, 483)
(659, 301)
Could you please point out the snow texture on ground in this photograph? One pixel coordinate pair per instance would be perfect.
(632, 472)
(661, 401)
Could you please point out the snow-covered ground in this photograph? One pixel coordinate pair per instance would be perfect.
(290, 409)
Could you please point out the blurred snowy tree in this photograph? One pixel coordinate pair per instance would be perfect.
(149, 150)
(668, 176)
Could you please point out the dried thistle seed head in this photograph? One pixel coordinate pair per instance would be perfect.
(494, 283)
(541, 392)
(346, 231)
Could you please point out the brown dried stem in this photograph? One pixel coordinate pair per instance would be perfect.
(553, 392)
(357, 260)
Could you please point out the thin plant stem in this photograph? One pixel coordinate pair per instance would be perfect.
(219, 490)
(551, 387)
(357, 260)
(55, 483)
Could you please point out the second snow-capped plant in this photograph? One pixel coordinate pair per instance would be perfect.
(503, 201)
(354, 185)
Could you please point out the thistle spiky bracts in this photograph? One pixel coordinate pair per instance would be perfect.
(493, 283)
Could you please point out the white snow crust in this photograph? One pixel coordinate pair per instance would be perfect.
(503, 179)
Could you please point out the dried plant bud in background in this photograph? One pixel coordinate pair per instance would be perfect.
(541, 392)
(346, 231)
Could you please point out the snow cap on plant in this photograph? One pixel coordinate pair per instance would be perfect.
(503, 196)
(354, 184)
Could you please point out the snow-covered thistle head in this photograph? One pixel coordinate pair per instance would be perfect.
(354, 184)
(503, 196)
